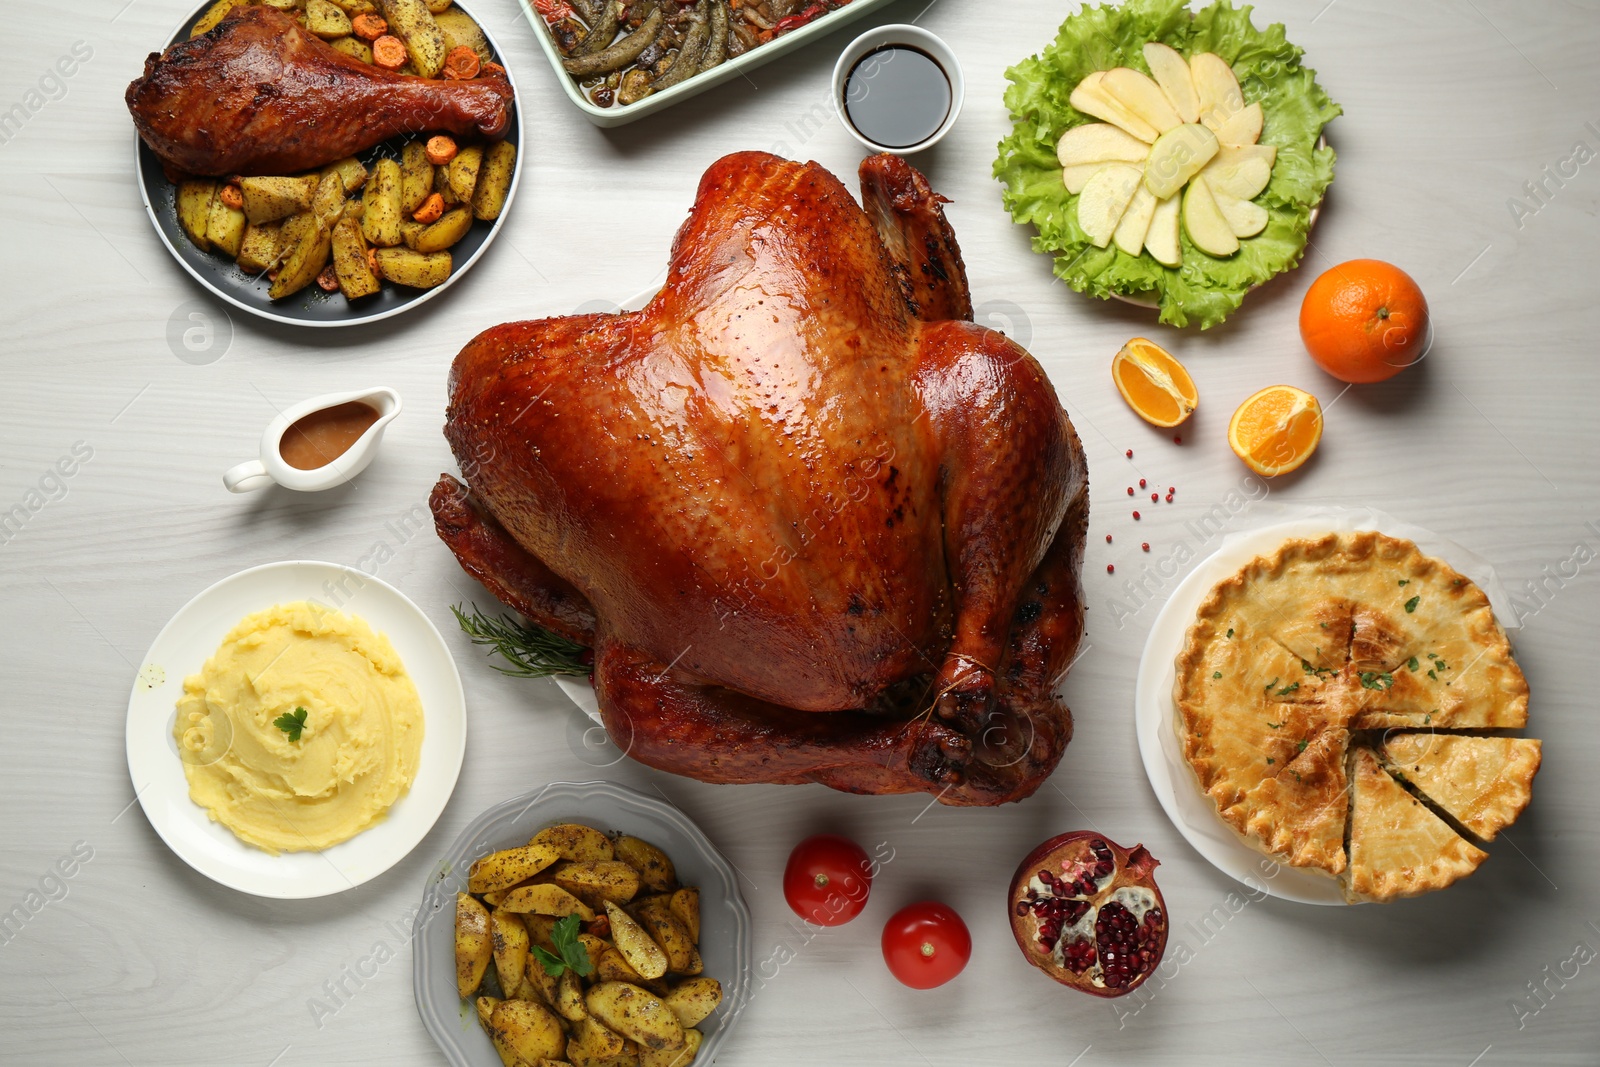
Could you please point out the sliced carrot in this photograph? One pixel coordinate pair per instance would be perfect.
(372, 260)
(461, 63)
(232, 196)
(369, 27)
(431, 209)
(328, 280)
(440, 150)
(389, 52)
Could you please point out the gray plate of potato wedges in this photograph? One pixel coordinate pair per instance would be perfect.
(582, 922)
(237, 250)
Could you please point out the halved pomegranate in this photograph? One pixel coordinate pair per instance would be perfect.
(1086, 911)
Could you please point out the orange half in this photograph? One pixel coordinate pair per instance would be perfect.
(1276, 430)
(1155, 385)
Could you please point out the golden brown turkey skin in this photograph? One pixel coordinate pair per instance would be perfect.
(822, 538)
(259, 94)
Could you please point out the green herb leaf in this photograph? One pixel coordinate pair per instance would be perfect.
(1286, 690)
(1216, 674)
(1376, 680)
(572, 955)
(1307, 666)
(1272, 683)
(1411, 664)
(1435, 677)
(1275, 725)
(1230, 631)
(1270, 761)
(1411, 605)
(532, 651)
(291, 724)
(1405, 581)
(1302, 745)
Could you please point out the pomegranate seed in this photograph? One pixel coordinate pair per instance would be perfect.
(1154, 497)
(1141, 483)
(1130, 490)
(1169, 498)
(1111, 568)
(1177, 439)
(1171, 490)
(1130, 453)
(1135, 516)
(1145, 546)
(1108, 539)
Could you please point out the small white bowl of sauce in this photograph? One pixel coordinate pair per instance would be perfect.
(898, 89)
(318, 443)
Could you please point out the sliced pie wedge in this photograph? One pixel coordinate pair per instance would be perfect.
(1300, 812)
(1483, 782)
(1398, 847)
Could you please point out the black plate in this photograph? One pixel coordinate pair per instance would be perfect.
(311, 306)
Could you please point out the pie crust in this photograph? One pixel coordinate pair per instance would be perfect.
(1312, 669)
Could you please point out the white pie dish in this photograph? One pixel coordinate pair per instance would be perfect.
(1191, 811)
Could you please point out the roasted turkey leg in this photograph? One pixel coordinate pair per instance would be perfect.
(260, 95)
(822, 537)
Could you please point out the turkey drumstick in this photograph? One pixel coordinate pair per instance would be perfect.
(260, 95)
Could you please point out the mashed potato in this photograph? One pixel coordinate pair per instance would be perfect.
(356, 754)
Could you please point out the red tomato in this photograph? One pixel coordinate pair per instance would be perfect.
(926, 944)
(827, 879)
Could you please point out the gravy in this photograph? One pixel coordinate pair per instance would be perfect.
(317, 439)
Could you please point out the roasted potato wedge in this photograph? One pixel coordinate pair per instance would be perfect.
(494, 181)
(350, 171)
(692, 999)
(685, 907)
(258, 252)
(673, 1057)
(462, 172)
(485, 1006)
(539, 899)
(304, 243)
(542, 981)
(214, 14)
(271, 199)
(530, 1030)
(655, 869)
(381, 222)
(656, 917)
(474, 945)
(594, 946)
(436, 237)
(460, 31)
(412, 22)
(225, 227)
(194, 210)
(504, 869)
(416, 176)
(510, 939)
(353, 47)
(635, 1013)
(436, 6)
(356, 278)
(326, 19)
(573, 841)
(592, 1040)
(594, 881)
(569, 997)
(643, 953)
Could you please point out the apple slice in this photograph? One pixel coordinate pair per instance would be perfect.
(1077, 176)
(1105, 198)
(1135, 222)
(1099, 142)
(1162, 240)
(1203, 221)
(1216, 88)
(1241, 171)
(1242, 127)
(1171, 72)
(1178, 155)
(1245, 218)
(1091, 98)
(1142, 96)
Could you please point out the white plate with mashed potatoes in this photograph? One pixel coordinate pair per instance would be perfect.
(296, 729)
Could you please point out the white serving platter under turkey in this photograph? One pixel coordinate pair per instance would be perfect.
(1173, 781)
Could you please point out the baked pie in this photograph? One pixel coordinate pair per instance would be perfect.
(1333, 699)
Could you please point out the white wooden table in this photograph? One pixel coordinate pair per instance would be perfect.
(1451, 108)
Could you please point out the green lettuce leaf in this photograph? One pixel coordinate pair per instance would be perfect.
(1205, 289)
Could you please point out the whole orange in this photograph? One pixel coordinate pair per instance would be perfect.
(1364, 321)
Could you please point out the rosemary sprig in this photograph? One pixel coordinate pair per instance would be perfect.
(530, 650)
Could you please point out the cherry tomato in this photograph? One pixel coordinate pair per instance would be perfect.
(926, 944)
(827, 879)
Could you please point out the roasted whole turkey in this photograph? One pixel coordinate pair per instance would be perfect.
(816, 525)
(259, 94)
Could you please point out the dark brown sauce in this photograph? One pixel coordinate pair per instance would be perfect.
(897, 96)
(317, 439)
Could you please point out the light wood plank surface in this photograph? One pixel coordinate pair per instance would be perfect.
(1450, 107)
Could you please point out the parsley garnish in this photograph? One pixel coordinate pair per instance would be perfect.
(1377, 679)
(572, 955)
(1405, 581)
(1274, 725)
(1286, 690)
(1411, 605)
(1441, 664)
(1306, 666)
(1303, 744)
(1272, 683)
(291, 724)
(1216, 674)
(1230, 631)
(1411, 664)
(1435, 677)
(1270, 761)
(1323, 625)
